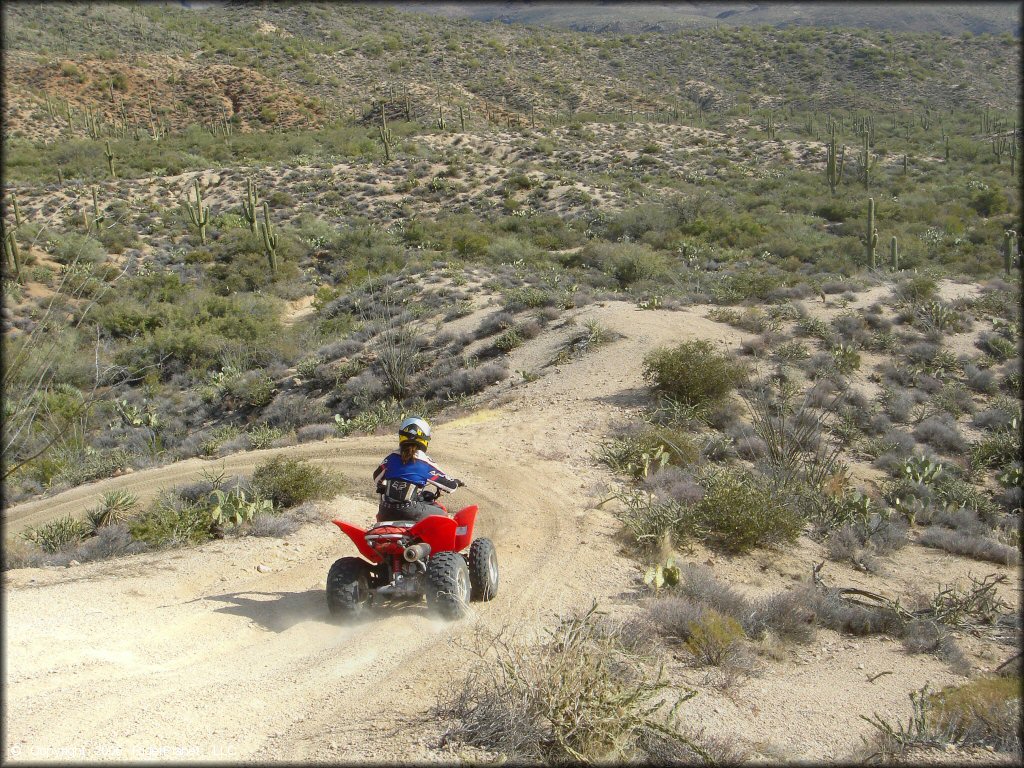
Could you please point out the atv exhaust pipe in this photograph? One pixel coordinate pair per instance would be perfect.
(416, 552)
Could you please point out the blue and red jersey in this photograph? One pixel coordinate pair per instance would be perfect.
(420, 471)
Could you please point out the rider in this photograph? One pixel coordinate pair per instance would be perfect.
(407, 480)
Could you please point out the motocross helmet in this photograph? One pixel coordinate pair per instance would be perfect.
(414, 430)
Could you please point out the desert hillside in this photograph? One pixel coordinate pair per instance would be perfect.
(719, 323)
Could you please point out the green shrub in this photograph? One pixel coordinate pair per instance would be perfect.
(714, 638)
(290, 482)
(171, 522)
(739, 513)
(638, 453)
(253, 389)
(917, 289)
(74, 247)
(527, 297)
(692, 373)
(62, 533)
(985, 710)
(262, 435)
(508, 341)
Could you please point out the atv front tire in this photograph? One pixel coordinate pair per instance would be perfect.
(348, 588)
(483, 570)
(448, 584)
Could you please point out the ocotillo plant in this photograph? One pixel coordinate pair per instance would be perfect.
(200, 215)
(250, 204)
(1010, 249)
(269, 238)
(110, 159)
(385, 135)
(894, 253)
(872, 238)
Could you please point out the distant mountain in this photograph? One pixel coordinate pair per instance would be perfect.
(953, 19)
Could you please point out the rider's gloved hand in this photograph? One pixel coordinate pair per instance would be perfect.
(460, 483)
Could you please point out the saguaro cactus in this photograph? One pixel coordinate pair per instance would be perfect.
(834, 167)
(249, 205)
(998, 148)
(872, 238)
(97, 217)
(440, 118)
(12, 257)
(17, 211)
(110, 159)
(269, 238)
(385, 135)
(894, 253)
(1010, 249)
(865, 158)
(200, 214)
(462, 118)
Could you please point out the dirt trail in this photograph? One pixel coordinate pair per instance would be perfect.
(196, 655)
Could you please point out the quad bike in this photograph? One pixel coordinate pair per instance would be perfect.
(410, 560)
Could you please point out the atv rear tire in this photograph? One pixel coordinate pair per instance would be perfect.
(348, 588)
(448, 584)
(483, 570)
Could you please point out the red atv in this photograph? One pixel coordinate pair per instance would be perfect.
(408, 560)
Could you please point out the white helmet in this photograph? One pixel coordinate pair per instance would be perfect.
(414, 430)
